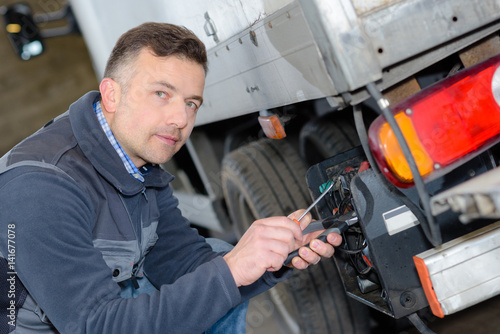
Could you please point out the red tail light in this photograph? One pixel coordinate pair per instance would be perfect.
(444, 125)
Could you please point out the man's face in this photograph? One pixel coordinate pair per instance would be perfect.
(156, 115)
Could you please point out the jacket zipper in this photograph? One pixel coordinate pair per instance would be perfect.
(133, 278)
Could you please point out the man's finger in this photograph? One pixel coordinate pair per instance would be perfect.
(334, 239)
(321, 248)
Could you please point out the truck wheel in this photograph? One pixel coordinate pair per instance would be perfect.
(262, 179)
(267, 178)
(327, 136)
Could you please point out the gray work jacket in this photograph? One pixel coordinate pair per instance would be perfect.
(82, 224)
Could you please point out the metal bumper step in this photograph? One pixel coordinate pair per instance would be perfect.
(462, 272)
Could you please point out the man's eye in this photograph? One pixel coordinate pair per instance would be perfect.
(192, 105)
(161, 94)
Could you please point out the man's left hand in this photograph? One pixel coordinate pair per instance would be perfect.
(318, 248)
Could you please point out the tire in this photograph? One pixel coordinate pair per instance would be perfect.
(262, 179)
(326, 137)
(267, 178)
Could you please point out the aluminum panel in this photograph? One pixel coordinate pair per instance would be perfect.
(408, 28)
(461, 270)
(357, 43)
(102, 22)
(284, 67)
(365, 6)
(349, 57)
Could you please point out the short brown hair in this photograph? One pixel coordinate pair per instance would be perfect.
(162, 38)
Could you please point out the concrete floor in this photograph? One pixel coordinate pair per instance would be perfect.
(33, 92)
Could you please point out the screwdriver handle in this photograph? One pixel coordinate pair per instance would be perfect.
(337, 229)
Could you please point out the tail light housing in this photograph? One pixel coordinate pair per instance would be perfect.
(444, 125)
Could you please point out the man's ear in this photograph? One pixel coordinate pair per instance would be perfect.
(110, 94)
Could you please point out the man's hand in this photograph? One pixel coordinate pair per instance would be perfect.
(318, 248)
(267, 243)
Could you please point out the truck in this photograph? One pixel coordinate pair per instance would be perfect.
(395, 103)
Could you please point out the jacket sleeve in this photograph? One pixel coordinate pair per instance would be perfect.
(180, 250)
(68, 278)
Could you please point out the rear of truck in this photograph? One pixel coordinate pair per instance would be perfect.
(395, 102)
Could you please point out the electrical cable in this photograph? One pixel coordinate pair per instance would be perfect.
(419, 324)
(351, 251)
(363, 136)
(342, 202)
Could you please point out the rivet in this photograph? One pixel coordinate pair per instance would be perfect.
(408, 299)
(383, 103)
(253, 38)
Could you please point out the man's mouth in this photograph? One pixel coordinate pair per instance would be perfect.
(168, 139)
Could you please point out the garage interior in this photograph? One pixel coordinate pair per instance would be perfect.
(35, 91)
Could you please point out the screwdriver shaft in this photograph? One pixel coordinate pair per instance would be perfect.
(316, 202)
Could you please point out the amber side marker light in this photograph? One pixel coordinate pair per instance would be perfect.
(272, 127)
(444, 125)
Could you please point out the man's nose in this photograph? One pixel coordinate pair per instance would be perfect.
(178, 114)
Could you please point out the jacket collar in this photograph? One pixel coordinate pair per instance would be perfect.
(101, 154)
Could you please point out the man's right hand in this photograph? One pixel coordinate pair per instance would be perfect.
(264, 247)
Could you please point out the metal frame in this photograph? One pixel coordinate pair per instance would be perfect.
(357, 48)
(204, 210)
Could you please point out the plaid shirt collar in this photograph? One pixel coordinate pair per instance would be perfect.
(129, 165)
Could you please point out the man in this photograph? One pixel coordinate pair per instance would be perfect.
(88, 218)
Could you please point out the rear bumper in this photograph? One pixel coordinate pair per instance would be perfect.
(462, 272)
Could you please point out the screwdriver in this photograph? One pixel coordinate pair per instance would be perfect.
(314, 203)
(333, 224)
